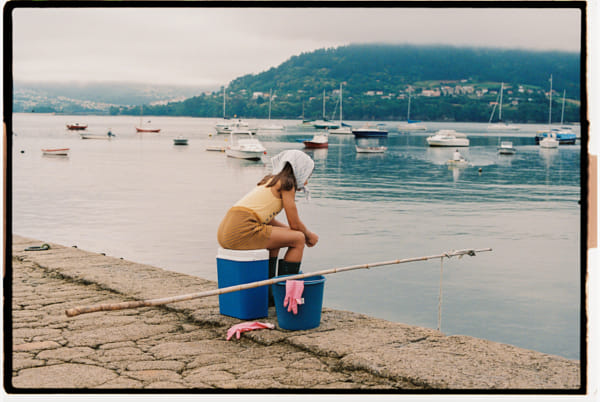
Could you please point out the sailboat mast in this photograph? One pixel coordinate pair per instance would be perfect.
(550, 108)
(270, 97)
(324, 118)
(223, 102)
(562, 114)
(408, 111)
(501, 92)
(340, 104)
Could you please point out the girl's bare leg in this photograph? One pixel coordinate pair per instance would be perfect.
(294, 240)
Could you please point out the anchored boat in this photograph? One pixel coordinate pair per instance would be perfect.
(318, 141)
(244, 145)
(506, 148)
(77, 126)
(448, 138)
(56, 152)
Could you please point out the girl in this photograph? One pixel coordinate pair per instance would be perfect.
(250, 223)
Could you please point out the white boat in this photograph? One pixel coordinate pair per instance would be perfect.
(410, 125)
(370, 150)
(56, 151)
(344, 129)
(271, 126)
(549, 142)
(90, 136)
(506, 148)
(448, 138)
(180, 140)
(500, 125)
(244, 145)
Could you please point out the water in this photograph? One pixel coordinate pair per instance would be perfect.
(142, 198)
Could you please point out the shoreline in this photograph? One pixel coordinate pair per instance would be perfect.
(183, 345)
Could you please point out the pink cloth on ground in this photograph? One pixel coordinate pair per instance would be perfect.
(293, 295)
(247, 326)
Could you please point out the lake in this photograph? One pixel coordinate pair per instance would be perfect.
(142, 198)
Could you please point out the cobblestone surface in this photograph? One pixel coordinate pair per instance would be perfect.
(183, 345)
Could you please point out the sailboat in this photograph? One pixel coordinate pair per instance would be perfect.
(549, 140)
(223, 127)
(141, 128)
(500, 125)
(563, 135)
(270, 126)
(345, 129)
(325, 123)
(410, 125)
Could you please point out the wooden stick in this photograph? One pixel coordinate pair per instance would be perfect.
(174, 299)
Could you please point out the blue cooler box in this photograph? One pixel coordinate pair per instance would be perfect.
(235, 267)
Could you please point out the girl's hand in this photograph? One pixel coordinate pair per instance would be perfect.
(311, 239)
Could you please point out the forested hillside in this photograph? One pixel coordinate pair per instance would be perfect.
(446, 83)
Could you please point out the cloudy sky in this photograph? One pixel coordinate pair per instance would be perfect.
(212, 46)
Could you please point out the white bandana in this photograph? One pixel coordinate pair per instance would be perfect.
(302, 164)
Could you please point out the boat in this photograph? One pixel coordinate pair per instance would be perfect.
(90, 136)
(318, 141)
(271, 126)
(77, 126)
(411, 125)
(448, 138)
(506, 148)
(180, 140)
(549, 142)
(244, 145)
(500, 125)
(457, 160)
(458, 163)
(344, 129)
(147, 130)
(325, 124)
(368, 131)
(370, 149)
(141, 128)
(56, 151)
(562, 136)
(370, 139)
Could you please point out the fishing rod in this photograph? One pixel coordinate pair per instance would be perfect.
(174, 299)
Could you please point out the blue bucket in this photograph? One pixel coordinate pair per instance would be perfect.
(309, 313)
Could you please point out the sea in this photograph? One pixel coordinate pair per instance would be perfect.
(144, 199)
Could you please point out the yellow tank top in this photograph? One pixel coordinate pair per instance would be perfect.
(263, 202)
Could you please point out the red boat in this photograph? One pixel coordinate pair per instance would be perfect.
(318, 141)
(56, 151)
(76, 126)
(147, 130)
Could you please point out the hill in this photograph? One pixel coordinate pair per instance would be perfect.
(446, 84)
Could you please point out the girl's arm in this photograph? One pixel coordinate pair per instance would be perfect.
(291, 212)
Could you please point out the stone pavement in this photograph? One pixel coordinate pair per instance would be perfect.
(183, 345)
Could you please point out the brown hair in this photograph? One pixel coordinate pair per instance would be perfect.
(286, 176)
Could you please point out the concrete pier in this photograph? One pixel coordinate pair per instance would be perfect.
(183, 345)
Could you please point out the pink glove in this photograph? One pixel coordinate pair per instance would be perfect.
(247, 326)
(293, 295)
